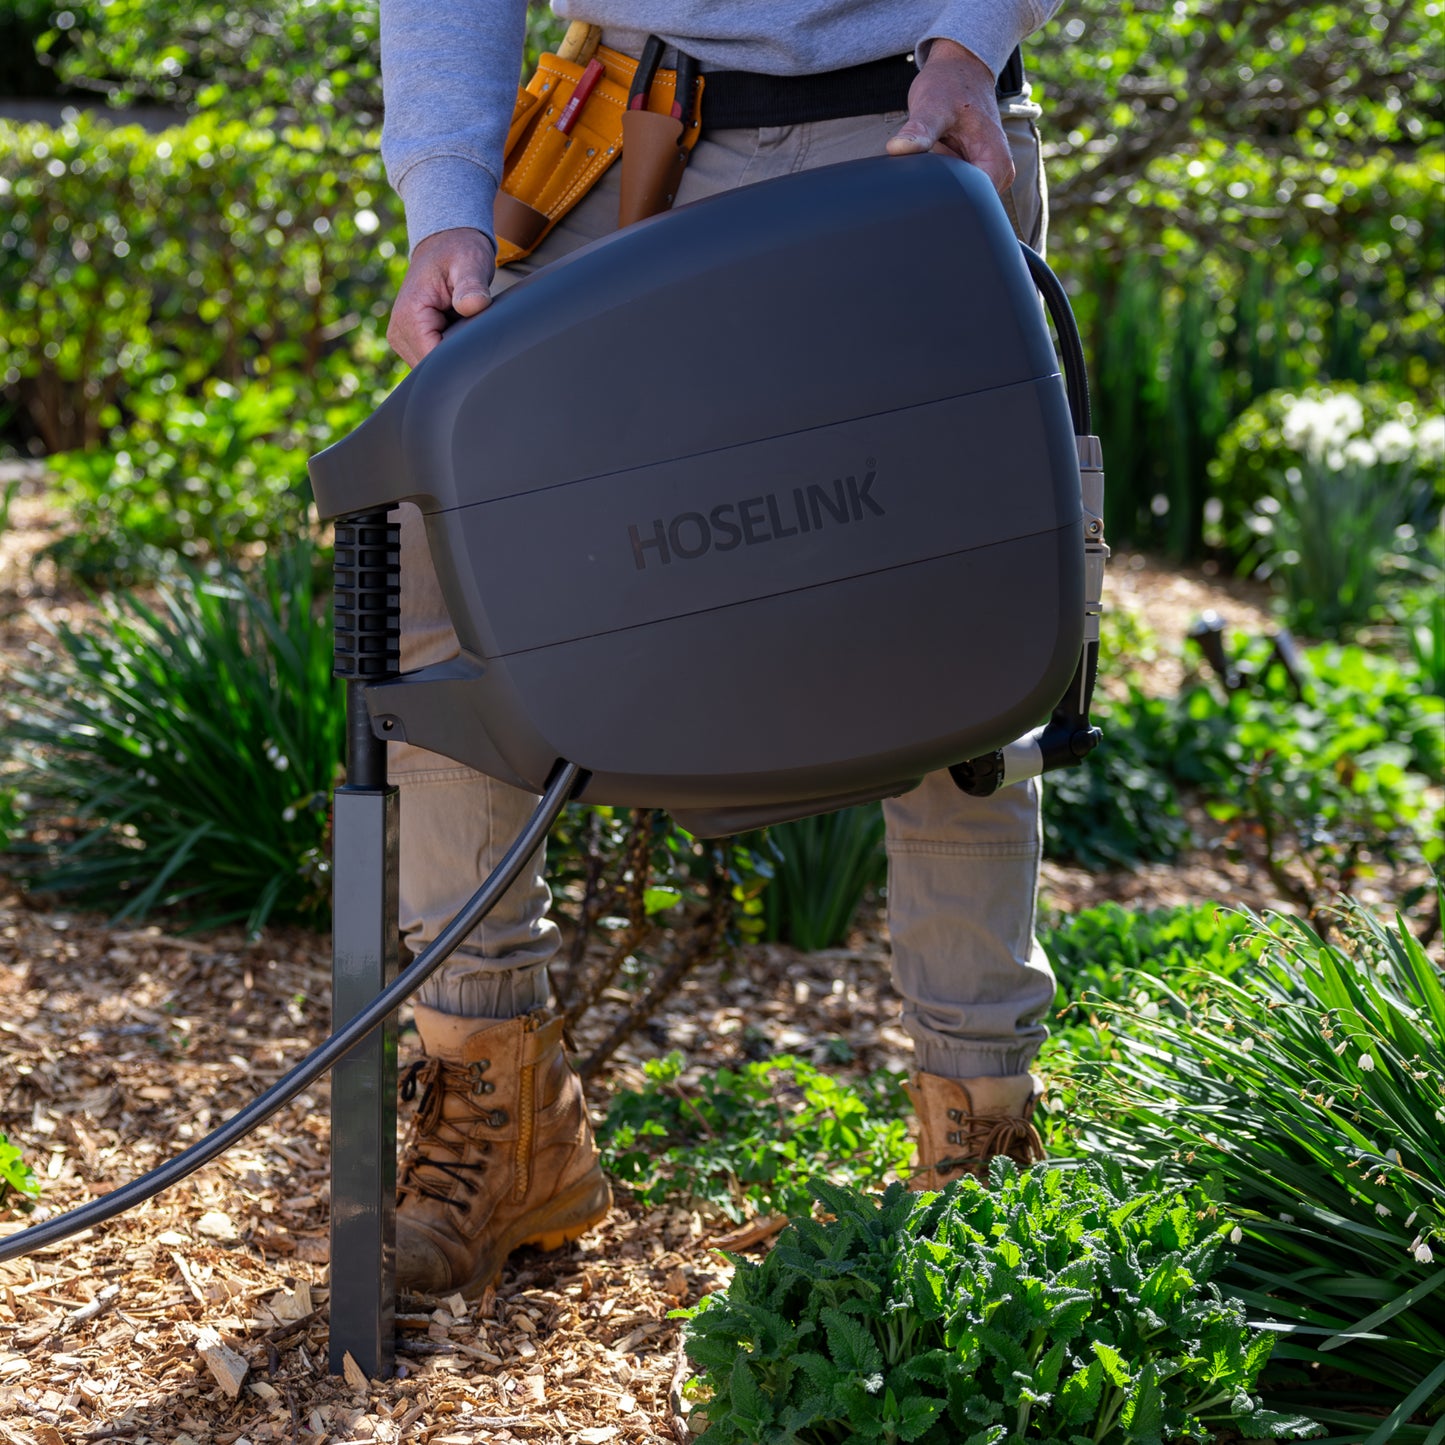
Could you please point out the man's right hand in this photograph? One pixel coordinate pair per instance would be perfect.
(449, 271)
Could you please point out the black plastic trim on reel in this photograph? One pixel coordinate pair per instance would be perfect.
(1069, 736)
(367, 571)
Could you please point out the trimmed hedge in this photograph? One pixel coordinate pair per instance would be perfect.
(134, 264)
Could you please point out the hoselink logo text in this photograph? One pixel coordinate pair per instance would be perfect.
(754, 520)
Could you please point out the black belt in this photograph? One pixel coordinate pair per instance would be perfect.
(740, 100)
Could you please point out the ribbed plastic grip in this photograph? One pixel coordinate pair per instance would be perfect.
(368, 597)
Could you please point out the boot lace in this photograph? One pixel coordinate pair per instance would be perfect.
(426, 1174)
(980, 1137)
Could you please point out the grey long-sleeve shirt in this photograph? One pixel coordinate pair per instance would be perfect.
(449, 69)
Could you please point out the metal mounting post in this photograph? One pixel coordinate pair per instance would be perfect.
(364, 958)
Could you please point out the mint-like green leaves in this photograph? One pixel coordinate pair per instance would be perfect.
(1056, 1307)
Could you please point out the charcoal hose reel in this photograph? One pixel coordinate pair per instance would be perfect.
(744, 512)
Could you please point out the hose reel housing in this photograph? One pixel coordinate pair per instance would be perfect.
(762, 507)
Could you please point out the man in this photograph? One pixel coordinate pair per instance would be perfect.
(502, 1153)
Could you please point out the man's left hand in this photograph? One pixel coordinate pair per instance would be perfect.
(952, 107)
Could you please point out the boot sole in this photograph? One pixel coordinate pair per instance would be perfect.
(565, 1218)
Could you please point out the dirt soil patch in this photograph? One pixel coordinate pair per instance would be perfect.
(120, 1046)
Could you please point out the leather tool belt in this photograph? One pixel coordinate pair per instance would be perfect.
(587, 105)
(556, 152)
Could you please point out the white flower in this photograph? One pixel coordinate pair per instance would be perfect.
(1430, 439)
(1394, 441)
(1319, 427)
(1236, 1234)
(1367, 1063)
(1424, 1254)
(1346, 417)
(1302, 424)
(1286, 1219)
(1382, 1209)
(1358, 450)
(1392, 1155)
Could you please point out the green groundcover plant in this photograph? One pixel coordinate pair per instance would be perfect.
(16, 1176)
(1060, 1306)
(180, 754)
(743, 1141)
(1308, 1091)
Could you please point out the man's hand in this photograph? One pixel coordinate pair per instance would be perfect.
(952, 107)
(451, 270)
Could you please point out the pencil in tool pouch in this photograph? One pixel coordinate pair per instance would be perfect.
(550, 168)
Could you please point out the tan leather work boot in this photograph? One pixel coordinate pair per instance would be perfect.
(501, 1153)
(963, 1123)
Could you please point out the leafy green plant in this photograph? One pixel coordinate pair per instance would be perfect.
(1308, 1090)
(1057, 1307)
(1127, 957)
(184, 751)
(308, 58)
(15, 1174)
(1337, 782)
(136, 266)
(202, 477)
(1119, 807)
(302, 58)
(823, 868)
(745, 1141)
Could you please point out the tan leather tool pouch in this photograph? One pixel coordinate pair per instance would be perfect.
(652, 165)
(546, 172)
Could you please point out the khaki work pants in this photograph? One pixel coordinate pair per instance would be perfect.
(963, 872)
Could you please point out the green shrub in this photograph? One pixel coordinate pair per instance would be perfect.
(1344, 492)
(823, 867)
(15, 1174)
(1339, 779)
(1308, 1091)
(746, 1141)
(201, 478)
(1259, 445)
(307, 59)
(187, 750)
(301, 59)
(135, 267)
(1056, 1307)
(1185, 327)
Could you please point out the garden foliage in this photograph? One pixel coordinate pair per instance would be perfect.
(1058, 1306)
(205, 478)
(1339, 778)
(1307, 1091)
(184, 752)
(16, 1176)
(1342, 499)
(746, 1141)
(135, 267)
(822, 868)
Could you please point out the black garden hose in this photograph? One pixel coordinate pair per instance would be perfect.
(564, 783)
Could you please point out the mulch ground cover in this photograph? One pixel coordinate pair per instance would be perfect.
(119, 1046)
